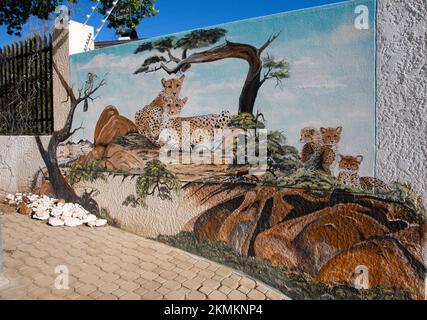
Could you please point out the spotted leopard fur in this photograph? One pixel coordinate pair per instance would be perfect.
(349, 175)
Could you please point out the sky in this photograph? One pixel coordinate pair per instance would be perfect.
(332, 82)
(178, 16)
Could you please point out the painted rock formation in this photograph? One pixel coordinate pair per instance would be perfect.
(327, 235)
(110, 126)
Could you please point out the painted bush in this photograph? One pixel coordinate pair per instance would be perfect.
(302, 212)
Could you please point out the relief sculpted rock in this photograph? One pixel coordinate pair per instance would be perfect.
(117, 125)
(326, 235)
(105, 116)
(388, 263)
(117, 157)
(308, 242)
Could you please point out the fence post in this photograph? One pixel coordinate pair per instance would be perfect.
(60, 57)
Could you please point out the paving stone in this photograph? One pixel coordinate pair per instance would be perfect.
(129, 286)
(108, 287)
(244, 289)
(177, 295)
(225, 289)
(86, 289)
(192, 284)
(107, 296)
(236, 295)
(195, 295)
(130, 296)
(119, 292)
(217, 295)
(110, 263)
(249, 283)
(152, 295)
(229, 282)
(149, 275)
(256, 295)
(172, 285)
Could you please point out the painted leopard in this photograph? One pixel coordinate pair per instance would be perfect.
(148, 120)
(320, 147)
(349, 175)
(184, 133)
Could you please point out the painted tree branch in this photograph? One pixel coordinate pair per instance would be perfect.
(246, 52)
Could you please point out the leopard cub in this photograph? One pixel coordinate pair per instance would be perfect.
(320, 147)
(349, 175)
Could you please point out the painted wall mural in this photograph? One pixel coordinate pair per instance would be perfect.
(250, 143)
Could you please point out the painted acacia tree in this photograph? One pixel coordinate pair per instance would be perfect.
(260, 69)
(60, 185)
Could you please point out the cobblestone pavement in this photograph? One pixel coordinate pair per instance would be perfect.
(109, 263)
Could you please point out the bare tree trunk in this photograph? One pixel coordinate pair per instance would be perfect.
(60, 185)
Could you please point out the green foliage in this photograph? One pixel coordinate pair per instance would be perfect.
(193, 40)
(201, 38)
(148, 62)
(403, 194)
(85, 172)
(311, 180)
(127, 14)
(156, 180)
(281, 157)
(275, 69)
(244, 120)
(15, 13)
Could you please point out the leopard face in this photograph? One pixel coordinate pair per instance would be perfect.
(309, 135)
(172, 87)
(331, 136)
(350, 163)
(173, 105)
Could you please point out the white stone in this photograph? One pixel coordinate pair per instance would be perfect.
(72, 222)
(90, 217)
(56, 211)
(91, 224)
(40, 217)
(100, 222)
(55, 222)
(66, 214)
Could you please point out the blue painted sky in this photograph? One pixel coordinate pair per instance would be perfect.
(332, 79)
(178, 16)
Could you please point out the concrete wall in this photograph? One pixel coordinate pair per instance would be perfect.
(19, 161)
(401, 93)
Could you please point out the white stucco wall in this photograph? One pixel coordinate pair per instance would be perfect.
(19, 161)
(401, 93)
(165, 217)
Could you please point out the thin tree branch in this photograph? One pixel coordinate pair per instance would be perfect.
(268, 42)
(184, 53)
(171, 56)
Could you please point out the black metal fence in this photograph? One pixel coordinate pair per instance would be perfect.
(26, 97)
